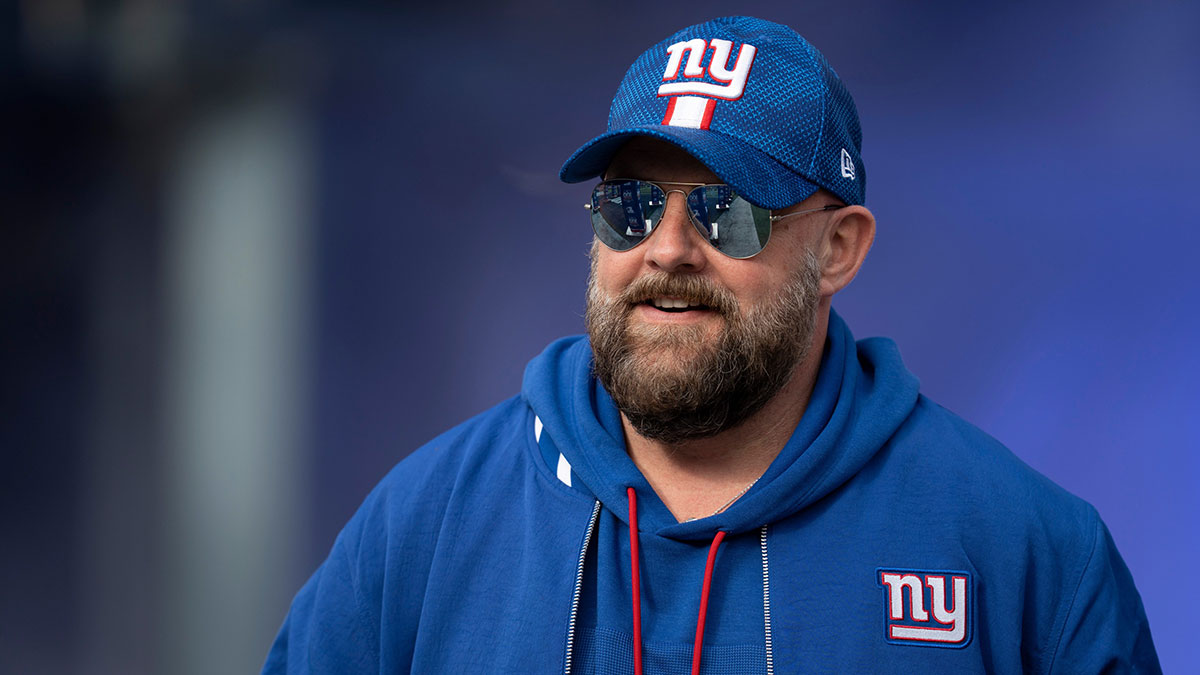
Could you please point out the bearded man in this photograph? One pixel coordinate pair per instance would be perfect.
(719, 478)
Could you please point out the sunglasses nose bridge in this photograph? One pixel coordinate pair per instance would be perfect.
(676, 244)
(677, 208)
(686, 208)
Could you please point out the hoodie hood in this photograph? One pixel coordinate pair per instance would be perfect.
(863, 393)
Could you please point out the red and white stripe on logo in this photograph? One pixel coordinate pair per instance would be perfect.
(693, 112)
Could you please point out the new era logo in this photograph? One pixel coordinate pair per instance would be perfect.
(847, 165)
(926, 608)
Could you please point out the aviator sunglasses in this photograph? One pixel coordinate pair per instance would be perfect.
(625, 212)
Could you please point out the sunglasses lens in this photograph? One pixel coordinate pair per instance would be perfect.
(625, 212)
(731, 224)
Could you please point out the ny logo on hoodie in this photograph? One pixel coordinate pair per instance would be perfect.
(937, 612)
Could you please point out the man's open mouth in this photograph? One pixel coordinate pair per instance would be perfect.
(675, 305)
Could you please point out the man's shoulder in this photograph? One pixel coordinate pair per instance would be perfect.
(940, 451)
(493, 436)
(478, 456)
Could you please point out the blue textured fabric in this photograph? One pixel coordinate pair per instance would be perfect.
(464, 558)
(784, 137)
(609, 651)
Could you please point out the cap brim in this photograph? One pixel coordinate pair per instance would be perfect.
(753, 173)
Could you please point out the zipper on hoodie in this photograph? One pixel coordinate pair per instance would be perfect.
(762, 544)
(587, 540)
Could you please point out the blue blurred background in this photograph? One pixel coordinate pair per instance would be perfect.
(255, 252)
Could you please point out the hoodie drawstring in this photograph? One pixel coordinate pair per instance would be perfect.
(637, 590)
(708, 569)
(637, 586)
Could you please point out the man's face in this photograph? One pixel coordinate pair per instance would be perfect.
(686, 373)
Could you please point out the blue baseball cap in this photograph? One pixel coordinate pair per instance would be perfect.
(750, 99)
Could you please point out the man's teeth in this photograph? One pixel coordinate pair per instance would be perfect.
(672, 303)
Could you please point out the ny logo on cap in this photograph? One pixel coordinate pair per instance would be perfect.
(733, 80)
(945, 596)
(694, 111)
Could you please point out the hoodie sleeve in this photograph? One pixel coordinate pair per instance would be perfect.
(333, 625)
(326, 629)
(1106, 630)
(360, 611)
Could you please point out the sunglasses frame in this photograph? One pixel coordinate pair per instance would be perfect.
(771, 218)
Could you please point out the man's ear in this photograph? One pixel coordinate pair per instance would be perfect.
(848, 237)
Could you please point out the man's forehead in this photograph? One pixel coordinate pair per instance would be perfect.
(652, 159)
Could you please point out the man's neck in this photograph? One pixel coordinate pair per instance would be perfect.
(697, 478)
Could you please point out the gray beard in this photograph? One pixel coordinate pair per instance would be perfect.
(676, 384)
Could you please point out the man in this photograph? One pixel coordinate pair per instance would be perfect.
(719, 479)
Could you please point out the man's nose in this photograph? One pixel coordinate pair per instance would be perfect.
(676, 245)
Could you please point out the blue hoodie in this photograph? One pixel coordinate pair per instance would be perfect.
(888, 536)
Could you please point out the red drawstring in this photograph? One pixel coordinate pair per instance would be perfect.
(708, 569)
(637, 590)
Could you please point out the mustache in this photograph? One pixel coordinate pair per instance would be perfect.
(691, 288)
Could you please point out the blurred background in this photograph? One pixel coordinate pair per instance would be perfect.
(256, 251)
